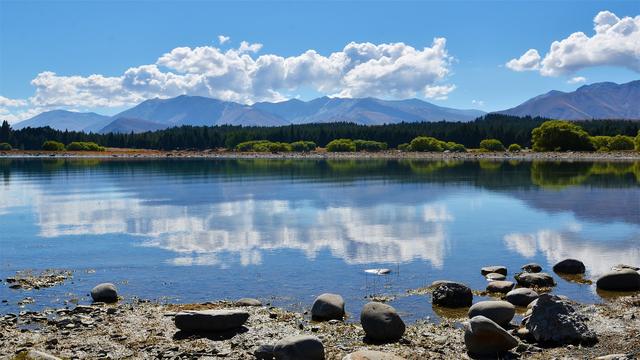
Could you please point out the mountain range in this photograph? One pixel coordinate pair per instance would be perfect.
(596, 101)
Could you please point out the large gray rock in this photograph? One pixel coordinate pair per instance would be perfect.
(494, 269)
(535, 279)
(302, 347)
(521, 296)
(532, 268)
(484, 337)
(500, 312)
(248, 302)
(495, 277)
(452, 295)
(381, 322)
(500, 286)
(569, 266)
(622, 280)
(105, 292)
(328, 307)
(371, 355)
(210, 320)
(554, 321)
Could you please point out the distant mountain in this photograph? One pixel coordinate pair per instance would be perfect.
(66, 120)
(604, 100)
(127, 125)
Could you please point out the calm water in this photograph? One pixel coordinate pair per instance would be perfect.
(286, 231)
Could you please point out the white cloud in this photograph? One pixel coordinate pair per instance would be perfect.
(223, 39)
(577, 80)
(616, 42)
(393, 70)
(6, 102)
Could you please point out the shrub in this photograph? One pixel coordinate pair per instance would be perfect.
(491, 145)
(303, 146)
(404, 147)
(50, 145)
(341, 145)
(559, 135)
(84, 146)
(278, 147)
(601, 143)
(5, 146)
(454, 147)
(638, 141)
(427, 143)
(263, 146)
(621, 142)
(368, 145)
(249, 145)
(515, 148)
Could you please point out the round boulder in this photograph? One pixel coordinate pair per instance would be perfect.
(105, 292)
(486, 338)
(328, 307)
(381, 322)
(535, 279)
(210, 320)
(494, 269)
(623, 280)
(500, 312)
(500, 286)
(248, 302)
(299, 347)
(569, 266)
(452, 295)
(532, 268)
(495, 277)
(371, 355)
(521, 296)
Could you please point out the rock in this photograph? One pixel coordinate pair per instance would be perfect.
(532, 304)
(500, 312)
(264, 352)
(569, 266)
(248, 302)
(495, 277)
(616, 357)
(378, 271)
(500, 286)
(39, 355)
(623, 266)
(440, 282)
(298, 348)
(532, 268)
(210, 320)
(623, 280)
(535, 279)
(381, 322)
(105, 292)
(521, 296)
(554, 321)
(494, 269)
(452, 295)
(371, 355)
(328, 307)
(484, 337)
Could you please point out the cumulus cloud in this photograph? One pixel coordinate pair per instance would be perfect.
(577, 80)
(6, 102)
(223, 39)
(243, 74)
(616, 42)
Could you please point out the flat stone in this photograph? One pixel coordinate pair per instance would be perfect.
(622, 280)
(105, 292)
(298, 348)
(500, 312)
(500, 286)
(378, 271)
(486, 338)
(39, 355)
(371, 355)
(495, 277)
(453, 295)
(554, 321)
(381, 322)
(624, 266)
(535, 279)
(328, 307)
(521, 296)
(569, 266)
(532, 268)
(494, 269)
(210, 320)
(248, 302)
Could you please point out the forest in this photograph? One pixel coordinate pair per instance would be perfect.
(507, 129)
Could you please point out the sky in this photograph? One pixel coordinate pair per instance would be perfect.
(107, 56)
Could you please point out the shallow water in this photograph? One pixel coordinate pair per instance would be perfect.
(285, 231)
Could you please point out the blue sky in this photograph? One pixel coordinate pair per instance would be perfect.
(78, 39)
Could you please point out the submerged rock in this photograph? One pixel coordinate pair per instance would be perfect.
(105, 292)
(500, 312)
(484, 337)
(371, 355)
(521, 296)
(553, 320)
(494, 269)
(570, 266)
(299, 347)
(532, 268)
(327, 307)
(500, 286)
(210, 320)
(452, 294)
(495, 277)
(381, 322)
(248, 302)
(622, 280)
(535, 279)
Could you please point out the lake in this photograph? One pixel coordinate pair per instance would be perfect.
(285, 231)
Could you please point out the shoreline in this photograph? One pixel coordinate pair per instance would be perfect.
(621, 156)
